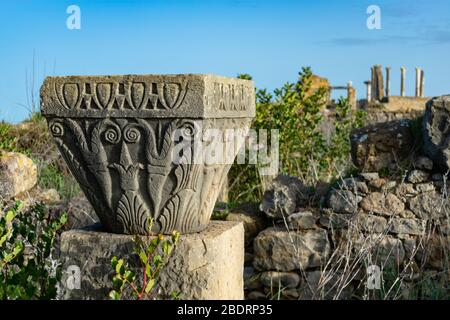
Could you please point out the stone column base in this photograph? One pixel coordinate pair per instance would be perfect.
(204, 265)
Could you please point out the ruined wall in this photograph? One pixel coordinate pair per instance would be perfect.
(392, 216)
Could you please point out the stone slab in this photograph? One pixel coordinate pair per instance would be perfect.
(148, 96)
(204, 266)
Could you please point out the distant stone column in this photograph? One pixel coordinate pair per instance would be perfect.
(368, 90)
(402, 81)
(351, 95)
(422, 82)
(417, 91)
(388, 81)
(377, 83)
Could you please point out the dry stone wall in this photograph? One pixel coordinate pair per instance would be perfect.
(392, 215)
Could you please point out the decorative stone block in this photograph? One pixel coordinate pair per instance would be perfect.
(145, 146)
(205, 265)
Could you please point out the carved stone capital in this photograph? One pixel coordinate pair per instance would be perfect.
(133, 144)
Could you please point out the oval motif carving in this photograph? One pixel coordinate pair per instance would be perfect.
(104, 94)
(171, 94)
(71, 94)
(137, 94)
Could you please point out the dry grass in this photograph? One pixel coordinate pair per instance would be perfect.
(356, 247)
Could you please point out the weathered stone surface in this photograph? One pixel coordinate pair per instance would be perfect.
(372, 223)
(405, 190)
(379, 203)
(387, 251)
(356, 185)
(418, 176)
(362, 221)
(18, 174)
(425, 187)
(142, 146)
(342, 201)
(430, 205)
(435, 131)
(423, 163)
(381, 145)
(205, 265)
(302, 220)
(283, 196)
(280, 279)
(408, 226)
(369, 176)
(377, 184)
(277, 249)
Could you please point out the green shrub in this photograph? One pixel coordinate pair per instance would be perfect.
(50, 176)
(153, 255)
(296, 111)
(7, 142)
(27, 267)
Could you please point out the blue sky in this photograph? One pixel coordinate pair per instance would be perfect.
(271, 40)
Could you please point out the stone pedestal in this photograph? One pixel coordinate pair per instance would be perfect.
(204, 265)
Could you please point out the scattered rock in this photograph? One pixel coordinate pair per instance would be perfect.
(354, 185)
(379, 203)
(405, 190)
(418, 176)
(302, 220)
(283, 196)
(435, 131)
(425, 187)
(342, 201)
(408, 214)
(389, 186)
(408, 226)
(278, 249)
(362, 221)
(372, 223)
(18, 174)
(280, 279)
(331, 220)
(381, 145)
(369, 176)
(430, 205)
(377, 184)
